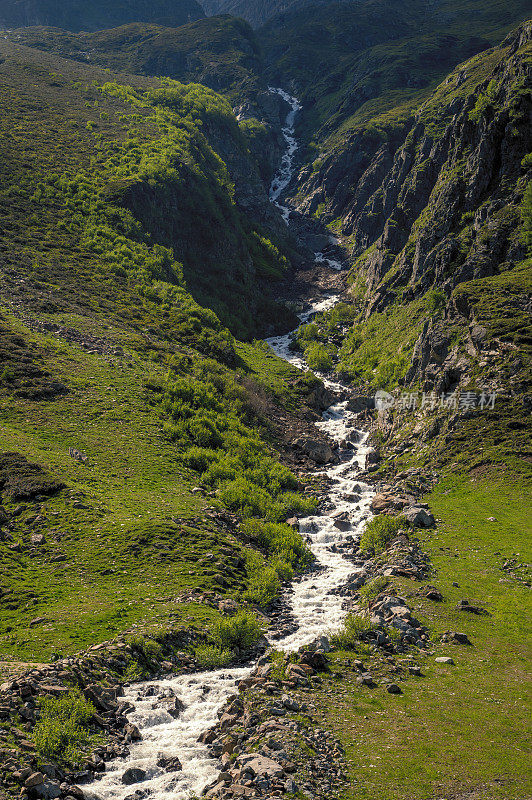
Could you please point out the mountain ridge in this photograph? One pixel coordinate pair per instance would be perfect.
(97, 15)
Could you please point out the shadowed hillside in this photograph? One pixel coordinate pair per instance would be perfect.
(77, 15)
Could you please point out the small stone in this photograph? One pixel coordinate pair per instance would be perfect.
(444, 660)
(290, 786)
(289, 703)
(35, 779)
(455, 637)
(393, 688)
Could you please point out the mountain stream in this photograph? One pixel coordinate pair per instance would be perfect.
(314, 606)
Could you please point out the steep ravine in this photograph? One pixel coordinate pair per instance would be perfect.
(314, 606)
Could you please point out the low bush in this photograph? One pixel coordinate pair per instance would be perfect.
(320, 357)
(280, 541)
(354, 628)
(369, 592)
(62, 731)
(242, 631)
(264, 581)
(212, 656)
(379, 531)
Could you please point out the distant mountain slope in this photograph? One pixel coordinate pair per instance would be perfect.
(340, 57)
(259, 11)
(219, 52)
(77, 15)
(255, 11)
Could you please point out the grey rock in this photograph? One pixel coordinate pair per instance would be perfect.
(289, 703)
(133, 775)
(419, 517)
(318, 451)
(35, 779)
(393, 688)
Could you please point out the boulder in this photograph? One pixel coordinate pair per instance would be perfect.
(133, 775)
(455, 637)
(35, 779)
(357, 403)
(419, 517)
(393, 688)
(318, 661)
(342, 524)
(169, 763)
(260, 766)
(380, 502)
(318, 451)
(132, 733)
(173, 706)
(444, 660)
(289, 703)
(49, 790)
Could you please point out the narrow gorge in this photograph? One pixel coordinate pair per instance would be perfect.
(312, 602)
(265, 303)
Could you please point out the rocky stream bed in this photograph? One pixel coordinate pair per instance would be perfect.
(244, 731)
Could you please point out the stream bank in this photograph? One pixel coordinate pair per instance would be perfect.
(163, 734)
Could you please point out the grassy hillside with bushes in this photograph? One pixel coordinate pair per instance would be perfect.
(119, 394)
(220, 52)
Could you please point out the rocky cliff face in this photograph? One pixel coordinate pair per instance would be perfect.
(432, 205)
(96, 15)
(255, 11)
(436, 201)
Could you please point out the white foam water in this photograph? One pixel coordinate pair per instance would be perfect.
(316, 609)
(286, 170)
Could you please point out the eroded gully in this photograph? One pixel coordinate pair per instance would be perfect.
(315, 606)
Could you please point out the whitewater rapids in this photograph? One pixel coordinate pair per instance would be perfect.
(314, 606)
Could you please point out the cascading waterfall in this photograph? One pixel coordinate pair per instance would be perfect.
(315, 607)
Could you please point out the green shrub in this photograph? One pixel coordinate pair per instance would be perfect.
(319, 356)
(134, 672)
(526, 216)
(212, 656)
(354, 628)
(370, 591)
(484, 101)
(379, 531)
(242, 630)
(264, 583)
(279, 540)
(62, 731)
(436, 301)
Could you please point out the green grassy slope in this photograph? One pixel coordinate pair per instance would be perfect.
(351, 59)
(70, 144)
(220, 52)
(105, 351)
(448, 734)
